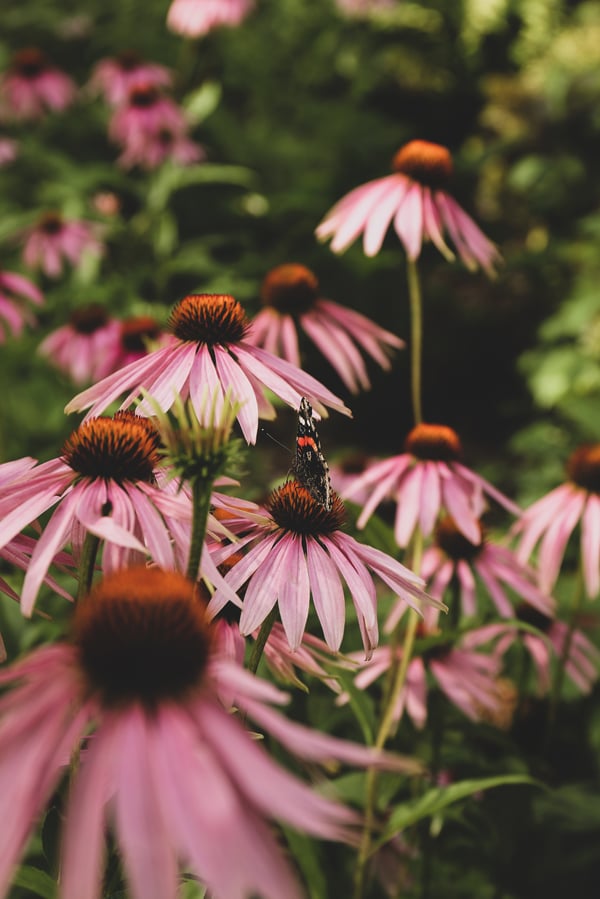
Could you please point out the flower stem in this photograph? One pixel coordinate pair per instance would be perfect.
(260, 642)
(416, 337)
(201, 493)
(386, 727)
(86, 565)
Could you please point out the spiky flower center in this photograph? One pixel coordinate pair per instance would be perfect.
(290, 288)
(429, 164)
(88, 319)
(453, 542)
(529, 615)
(583, 467)
(29, 62)
(137, 331)
(143, 636)
(128, 60)
(436, 443)
(51, 223)
(123, 448)
(294, 509)
(208, 318)
(143, 96)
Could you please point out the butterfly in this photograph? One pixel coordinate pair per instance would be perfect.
(310, 467)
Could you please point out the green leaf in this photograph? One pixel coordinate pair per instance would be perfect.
(439, 798)
(306, 857)
(35, 881)
(360, 703)
(202, 102)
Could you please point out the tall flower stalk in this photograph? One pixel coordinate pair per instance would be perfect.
(199, 448)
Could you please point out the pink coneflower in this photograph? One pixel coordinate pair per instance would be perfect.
(114, 77)
(174, 775)
(419, 206)
(15, 292)
(193, 18)
(290, 295)
(87, 348)
(469, 679)
(145, 113)
(582, 663)
(136, 335)
(9, 150)
(497, 567)
(105, 483)
(32, 86)
(553, 518)
(424, 480)
(364, 7)
(309, 657)
(210, 356)
(53, 240)
(297, 550)
(152, 151)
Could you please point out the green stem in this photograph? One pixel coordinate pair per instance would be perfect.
(260, 642)
(201, 493)
(87, 562)
(416, 337)
(385, 729)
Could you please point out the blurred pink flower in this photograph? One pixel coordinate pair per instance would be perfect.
(210, 356)
(453, 556)
(105, 482)
(115, 76)
(177, 777)
(469, 679)
(309, 657)
(144, 114)
(9, 150)
(290, 294)
(365, 7)
(87, 348)
(53, 240)
(137, 334)
(424, 480)
(32, 86)
(15, 292)
(297, 550)
(553, 518)
(582, 664)
(194, 18)
(155, 149)
(421, 210)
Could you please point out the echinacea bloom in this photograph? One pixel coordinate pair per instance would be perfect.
(54, 239)
(144, 114)
(308, 657)
(169, 770)
(296, 549)
(468, 678)
(582, 662)
(105, 483)
(114, 77)
(553, 518)
(210, 356)
(32, 86)
(194, 18)
(497, 567)
(415, 199)
(155, 149)
(291, 298)
(9, 150)
(87, 348)
(365, 8)
(425, 479)
(15, 292)
(136, 335)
